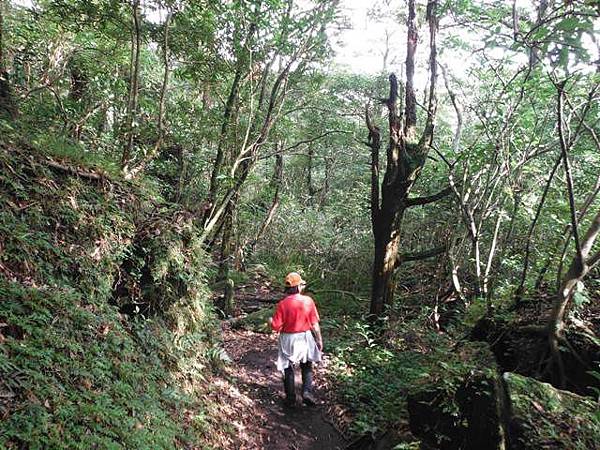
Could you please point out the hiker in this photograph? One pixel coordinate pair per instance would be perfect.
(297, 320)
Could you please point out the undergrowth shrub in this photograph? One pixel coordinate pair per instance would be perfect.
(374, 367)
(325, 245)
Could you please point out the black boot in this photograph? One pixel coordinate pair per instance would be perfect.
(307, 395)
(289, 385)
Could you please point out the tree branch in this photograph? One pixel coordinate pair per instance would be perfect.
(594, 260)
(427, 136)
(410, 112)
(405, 257)
(374, 142)
(313, 139)
(520, 289)
(74, 170)
(417, 201)
(459, 119)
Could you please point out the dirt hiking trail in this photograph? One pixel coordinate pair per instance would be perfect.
(276, 426)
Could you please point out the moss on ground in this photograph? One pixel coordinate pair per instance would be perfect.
(78, 368)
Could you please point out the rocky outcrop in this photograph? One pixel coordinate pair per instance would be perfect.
(462, 406)
(469, 405)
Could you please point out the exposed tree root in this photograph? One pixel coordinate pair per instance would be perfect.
(557, 360)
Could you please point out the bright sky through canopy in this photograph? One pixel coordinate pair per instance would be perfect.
(372, 38)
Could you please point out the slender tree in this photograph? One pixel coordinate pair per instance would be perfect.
(134, 80)
(6, 100)
(583, 260)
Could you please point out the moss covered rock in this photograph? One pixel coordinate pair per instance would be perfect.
(543, 417)
(466, 404)
(461, 406)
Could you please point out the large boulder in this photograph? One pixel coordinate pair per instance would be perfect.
(520, 345)
(462, 405)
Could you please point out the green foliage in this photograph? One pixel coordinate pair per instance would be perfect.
(117, 274)
(59, 147)
(78, 378)
(374, 375)
(74, 371)
(596, 375)
(256, 321)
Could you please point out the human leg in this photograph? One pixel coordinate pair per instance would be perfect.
(289, 384)
(307, 374)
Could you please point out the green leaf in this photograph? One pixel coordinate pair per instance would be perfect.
(568, 24)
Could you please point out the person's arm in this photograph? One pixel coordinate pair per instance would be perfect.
(314, 327)
(276, 322)
(316, 331)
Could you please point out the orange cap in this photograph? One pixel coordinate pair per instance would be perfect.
(293, 279)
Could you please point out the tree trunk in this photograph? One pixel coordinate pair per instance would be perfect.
(220, 156)
(276, 185)
(405, 159)
(227, 240)
(160, 122)
(580, 266)
(582, 262)
(534, 51)
(410, 120)
(384, 264)
(521, 289)
(134, 76)
(488, 266)
(230, 109)
(324, 191)
(7, 105)
(309, 176)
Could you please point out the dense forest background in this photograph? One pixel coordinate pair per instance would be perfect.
(161, 159)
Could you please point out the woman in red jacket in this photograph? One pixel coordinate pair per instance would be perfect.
(297, 321)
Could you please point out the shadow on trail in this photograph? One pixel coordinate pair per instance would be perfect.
(280, 427)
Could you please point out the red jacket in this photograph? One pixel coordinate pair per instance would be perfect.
(294, 314)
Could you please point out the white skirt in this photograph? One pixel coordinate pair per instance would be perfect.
(296, 348)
